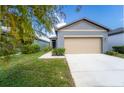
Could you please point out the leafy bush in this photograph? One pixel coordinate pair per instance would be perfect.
(28, 49)
(7, 45)
(58, 52)
(119, 49)
(113, 53)
(35, 48)
(46, 49)
(7, 49)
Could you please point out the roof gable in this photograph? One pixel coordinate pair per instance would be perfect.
(82, 25)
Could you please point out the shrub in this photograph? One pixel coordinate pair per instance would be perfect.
(7, 50)
(119, 49)
(46, 49)
(35, 48)
(58, 52)
(28, 49)
(7, 45)
(113, 53)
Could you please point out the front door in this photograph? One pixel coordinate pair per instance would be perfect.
(53, 43)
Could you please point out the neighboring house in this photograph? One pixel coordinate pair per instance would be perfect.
(116, 38)
(42, 40)
(81, 36)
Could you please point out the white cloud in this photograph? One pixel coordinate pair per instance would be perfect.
(61, 24)
(61, 21)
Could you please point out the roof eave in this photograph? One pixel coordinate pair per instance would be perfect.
(110, 34)
(85, 19)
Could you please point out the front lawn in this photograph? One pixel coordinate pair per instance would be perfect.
(26, 70)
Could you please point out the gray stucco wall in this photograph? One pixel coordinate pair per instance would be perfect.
(41, 43)
(60, 37)
(115, 40)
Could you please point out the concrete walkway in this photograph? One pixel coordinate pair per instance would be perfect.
(49, 56)
(90, 70)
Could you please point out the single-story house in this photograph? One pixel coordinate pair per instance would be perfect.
(81, 36)
(116, 38)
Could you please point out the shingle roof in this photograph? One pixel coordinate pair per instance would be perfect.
(85, 19)
(116, 31)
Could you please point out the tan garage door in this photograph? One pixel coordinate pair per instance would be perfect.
(82, 45)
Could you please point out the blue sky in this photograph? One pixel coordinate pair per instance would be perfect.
(110, 16)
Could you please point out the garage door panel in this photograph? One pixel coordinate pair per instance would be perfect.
(82, 45)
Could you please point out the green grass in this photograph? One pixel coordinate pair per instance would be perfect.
(28, 71)
(120, 55)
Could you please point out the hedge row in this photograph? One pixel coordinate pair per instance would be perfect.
(119, 49)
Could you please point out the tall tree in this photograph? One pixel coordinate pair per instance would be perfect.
(19, 18)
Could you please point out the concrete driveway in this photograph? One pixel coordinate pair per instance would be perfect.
(96, 70)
